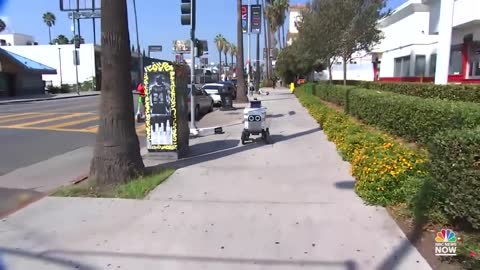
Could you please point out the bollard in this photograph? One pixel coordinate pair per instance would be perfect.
(292, 87)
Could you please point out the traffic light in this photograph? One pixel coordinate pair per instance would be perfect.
(188, 9)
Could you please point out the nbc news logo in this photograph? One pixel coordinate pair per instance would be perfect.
(446, 243)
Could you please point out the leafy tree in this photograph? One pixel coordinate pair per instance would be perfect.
(242, 88)
(60, 39)
(358, 19)
(319, 33)
(77, 37)
(49, 19)
(116, 158)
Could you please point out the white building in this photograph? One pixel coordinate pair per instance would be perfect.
(294, 16)
(411, 42)
(16, 39)
(409, 50)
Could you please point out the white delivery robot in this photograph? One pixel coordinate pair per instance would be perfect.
(255, 122)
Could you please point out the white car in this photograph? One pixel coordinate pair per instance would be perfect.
(214, 90)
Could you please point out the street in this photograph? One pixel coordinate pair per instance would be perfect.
(37, 131)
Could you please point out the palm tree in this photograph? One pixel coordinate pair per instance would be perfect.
(116, 158)
(233, 52)
(49, 19)
(226, 49)
(219, 42)
(241, 87)
(60, 39)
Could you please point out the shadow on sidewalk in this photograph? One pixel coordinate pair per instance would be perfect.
(26, 255)
(53, 257)
(218, 149)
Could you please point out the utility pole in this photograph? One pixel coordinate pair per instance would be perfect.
(257, 73)
(93, 22)
(188, 10)
(140, 56)
(248, 47)
(75, 53)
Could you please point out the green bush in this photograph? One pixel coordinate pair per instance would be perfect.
(456, 92)
(386, 171)
(455, 167)
(65, 88)
(414, 118)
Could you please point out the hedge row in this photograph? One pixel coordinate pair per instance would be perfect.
(413, 118)
(386, 172)
(455, 166)
(455, 92)
(389, 173)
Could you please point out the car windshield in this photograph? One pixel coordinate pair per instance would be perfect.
(212, 87)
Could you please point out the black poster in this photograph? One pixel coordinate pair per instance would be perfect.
(256, 18)
(160, 109)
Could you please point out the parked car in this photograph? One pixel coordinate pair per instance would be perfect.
(215, 89)
(203, 103)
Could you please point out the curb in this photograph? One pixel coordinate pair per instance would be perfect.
(45, 99)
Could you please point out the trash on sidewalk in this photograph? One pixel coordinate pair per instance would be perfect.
(201, 132)
(255, 122)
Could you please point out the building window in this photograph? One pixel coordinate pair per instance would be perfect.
(455, 67)
(402, 67)
(420, 62)
(433, 64)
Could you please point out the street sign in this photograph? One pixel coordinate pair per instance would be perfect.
(256, 18)
(244, 18)
(84, 14)
(69, 5)
(155, 48)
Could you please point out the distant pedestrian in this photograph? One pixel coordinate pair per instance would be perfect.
(141, 102)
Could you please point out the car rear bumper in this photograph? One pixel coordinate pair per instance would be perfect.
(216, 98)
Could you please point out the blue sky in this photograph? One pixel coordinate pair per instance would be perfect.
(159, 22)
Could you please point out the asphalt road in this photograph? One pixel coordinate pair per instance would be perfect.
(36, 131)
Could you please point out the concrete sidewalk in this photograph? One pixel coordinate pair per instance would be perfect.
(47, 97)
(289, 205)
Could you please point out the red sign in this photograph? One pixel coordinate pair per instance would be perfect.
(244, 18)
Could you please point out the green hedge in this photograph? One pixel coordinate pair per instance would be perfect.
(455, 167)
(455, 92)
(386, 171)
(413, 118)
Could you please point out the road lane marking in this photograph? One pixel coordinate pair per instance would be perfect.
(72, 123)
(44, 129)
(47, 120)
(22, 116)
(92, 129)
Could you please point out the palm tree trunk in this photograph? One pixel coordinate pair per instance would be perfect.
(231, 59)
(226, 59)
(265, 34)
(50, 34)
(116, 158)
(241, 86)
(220, 61)
(283, 34)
